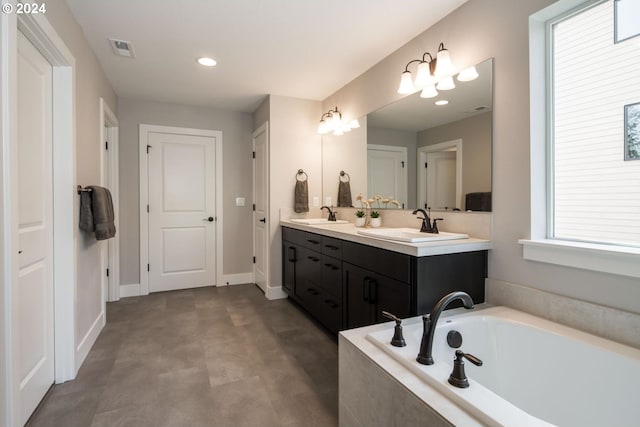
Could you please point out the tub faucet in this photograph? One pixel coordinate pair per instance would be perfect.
(430, 320)
(332, 214)
(426, 221)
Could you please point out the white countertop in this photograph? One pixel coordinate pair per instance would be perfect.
(350, 232)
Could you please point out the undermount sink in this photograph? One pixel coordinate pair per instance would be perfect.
(410, 235)
(318, 221)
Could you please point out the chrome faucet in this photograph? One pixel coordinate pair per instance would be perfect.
(332, 214)
(426, 221)
(429, 322)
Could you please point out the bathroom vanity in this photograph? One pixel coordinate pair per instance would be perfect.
(345, 280)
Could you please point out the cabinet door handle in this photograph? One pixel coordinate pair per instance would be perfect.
(331, 266)
(333, 248)
(373, 291)
(292, 254)
(313, 242)
(365, 289)
(314, 259)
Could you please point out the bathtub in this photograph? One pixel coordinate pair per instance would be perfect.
(535, 372)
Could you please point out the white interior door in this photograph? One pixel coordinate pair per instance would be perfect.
(261, 210)
(441, 180)
(34, 325)
(387, 172)
(182, 211)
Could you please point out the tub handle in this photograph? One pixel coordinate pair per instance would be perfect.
(458, 378)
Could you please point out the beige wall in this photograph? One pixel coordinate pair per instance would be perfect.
(237, 178)
(475, 133)
(293, 144)
(478, 30)
(91, 84)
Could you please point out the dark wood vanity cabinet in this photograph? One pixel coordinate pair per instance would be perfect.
(346, 285)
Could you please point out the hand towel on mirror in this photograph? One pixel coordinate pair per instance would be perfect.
(344, 195)
(301, 197)
(102, 209)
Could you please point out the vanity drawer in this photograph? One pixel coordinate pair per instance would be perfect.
(391, 264)
(332, 247)
(303, 238)
(332, 276)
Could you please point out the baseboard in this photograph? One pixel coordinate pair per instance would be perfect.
(236, 279)
(82, 350)
(275, 292)
(131, 290)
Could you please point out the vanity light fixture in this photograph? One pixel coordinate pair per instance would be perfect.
(468, 74)
(332, 122)
(441, 102)
(433, 74)
(206, 61)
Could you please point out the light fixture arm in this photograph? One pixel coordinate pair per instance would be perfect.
(406, 69)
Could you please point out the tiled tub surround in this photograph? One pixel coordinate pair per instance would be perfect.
(610, 323)
(531, 364)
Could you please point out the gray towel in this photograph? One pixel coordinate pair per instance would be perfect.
(344, 194)
(301, 197)
(96, 207)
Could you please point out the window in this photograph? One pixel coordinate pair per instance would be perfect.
(596, 192)
(589, 149)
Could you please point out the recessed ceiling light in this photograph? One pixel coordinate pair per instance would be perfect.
(441, 102)
(206, 61)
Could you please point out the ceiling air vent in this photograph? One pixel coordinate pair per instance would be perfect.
(477, 109)
(122, 48)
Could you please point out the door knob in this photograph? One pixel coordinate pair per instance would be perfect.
(263, 220)
(210, 219)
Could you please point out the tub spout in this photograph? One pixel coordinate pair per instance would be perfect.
(429, 321)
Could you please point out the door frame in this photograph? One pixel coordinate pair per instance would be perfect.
(42, 35)
(405, 169)
(264, 128)
(145, 130)
(110, 180)
(422, 172)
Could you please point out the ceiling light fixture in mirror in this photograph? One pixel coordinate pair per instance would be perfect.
(433, 74)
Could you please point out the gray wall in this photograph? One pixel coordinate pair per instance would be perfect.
(91, 84)
(475, 133)
(478, 30)
(237, 178)
(400, 138)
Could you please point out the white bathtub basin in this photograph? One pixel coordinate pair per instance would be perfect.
(535, 372)
(410, 235)
(318, 221)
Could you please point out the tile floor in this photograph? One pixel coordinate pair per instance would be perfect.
(202, 357)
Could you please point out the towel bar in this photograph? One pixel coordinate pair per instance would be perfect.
(83, 190)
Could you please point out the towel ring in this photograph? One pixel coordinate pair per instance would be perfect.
(301, 172)
(83, 190)
(343, 174)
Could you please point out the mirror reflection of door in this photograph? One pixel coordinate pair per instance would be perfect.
(440, 175)
(441, 180)
(387, 172)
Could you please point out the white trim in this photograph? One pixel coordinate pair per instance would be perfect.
(236, 279)
(108, 119)
(624, 261)
(422, 172)
(130, 290)
(611, 259)
(144, 196)
(275, 292)
(82, 350)
(65, 204)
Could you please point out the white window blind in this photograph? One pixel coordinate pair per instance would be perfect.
(596, 193)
